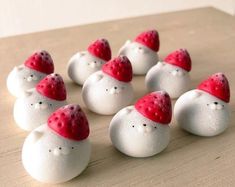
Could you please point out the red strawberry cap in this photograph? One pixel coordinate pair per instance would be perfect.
(216, 85)
(119, 68)
(149, 39)
(40, 61)
(180, 58)
(101, 49)
(155, 106)
(69, 122)
(52, 86)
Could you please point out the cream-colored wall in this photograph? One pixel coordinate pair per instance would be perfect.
(26, 16)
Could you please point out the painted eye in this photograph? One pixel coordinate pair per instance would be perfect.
(155, 127)
(144, 125)
(107, 90)
(60, 148)
(31, 104)
(133, 126)
(49, 150)
(50, 104)
(72, 147)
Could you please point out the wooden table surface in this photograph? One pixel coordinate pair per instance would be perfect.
(209, 36)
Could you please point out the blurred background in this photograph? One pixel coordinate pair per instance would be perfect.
(27, 16)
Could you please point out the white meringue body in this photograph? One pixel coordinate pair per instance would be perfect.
(135, 135)
(82, 65)
(201, 113)
(22, 78)
(51, 158)
(172, 79)
(105, 95)
(33, 109)
(141, 57)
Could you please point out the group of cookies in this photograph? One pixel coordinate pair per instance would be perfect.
(57, 149)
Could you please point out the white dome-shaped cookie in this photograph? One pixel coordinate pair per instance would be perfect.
(171, 75)
(109, 90)
(34, 107)
(205, 110)
(56, 152)
(142, 52)
(27, 75)
(142, 130)
(83, 64)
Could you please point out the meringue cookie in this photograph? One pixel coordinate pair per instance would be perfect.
(171, 75)
(205, 110)
(83, 64)
(142, 53)
(27, 75)
(109, 90)
(34, 107)
(142, 130)
(53, 153)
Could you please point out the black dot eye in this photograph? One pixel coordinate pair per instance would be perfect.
(133, 126)
(115, 87)
(60, 148)
(155, 127)
(31, 75)
(207, 104)
(106, 89)
(31, 104)
(40, 102)
(49, 150)
(144, 125)
(72, 147)
(177, 70)
(50, 104)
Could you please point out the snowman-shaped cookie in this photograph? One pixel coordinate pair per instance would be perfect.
(27, 75)
(143, 130)
(205, 110)
(33, 108)
(142, 52)
(84, 63)
(109, 90)
(59, 150)
(171, 75)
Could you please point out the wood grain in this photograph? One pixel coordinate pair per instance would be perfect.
(189, 160)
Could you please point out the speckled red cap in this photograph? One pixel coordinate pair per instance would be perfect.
(155, 106)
